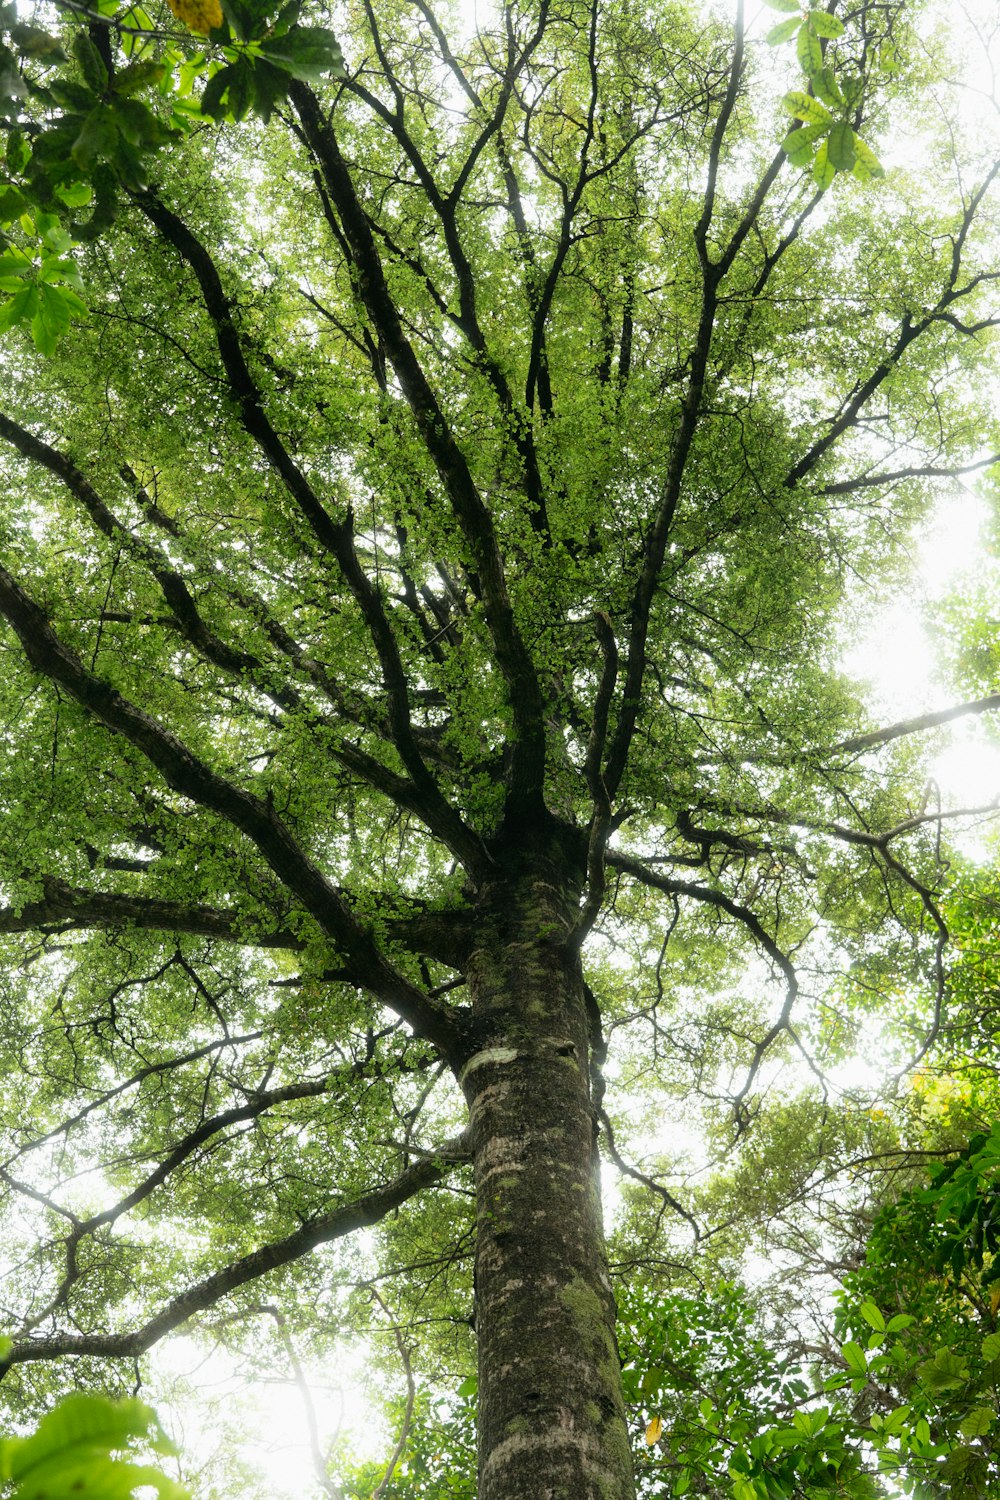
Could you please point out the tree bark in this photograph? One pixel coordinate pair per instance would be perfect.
(552, 1420)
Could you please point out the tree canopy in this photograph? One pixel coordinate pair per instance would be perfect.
(446, 452)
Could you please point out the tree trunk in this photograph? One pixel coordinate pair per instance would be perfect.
(551, 1415)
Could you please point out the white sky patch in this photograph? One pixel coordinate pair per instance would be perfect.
(213, 1408)
(897, 656)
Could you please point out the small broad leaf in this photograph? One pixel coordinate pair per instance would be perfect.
(828, 89)
(95, 74)
(808, 49)
(945, 1372)
(783, 32)
(34, 42)
(807, 109)
(977, 1422)
(97, 139)
(20, 309)
(135, 20)
(842, 155)
(308, 53)
(653, 1431)
(872, 1316)
(991, 1347)
(866, 163)
(138, 75)
(798, 144)
(214, 93)
(824, 24)
(823, 169)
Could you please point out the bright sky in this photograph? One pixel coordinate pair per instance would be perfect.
(900, 659)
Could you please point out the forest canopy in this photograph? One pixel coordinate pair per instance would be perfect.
(456, 902)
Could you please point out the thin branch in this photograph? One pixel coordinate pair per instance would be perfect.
(368, 1209)
(255, 817)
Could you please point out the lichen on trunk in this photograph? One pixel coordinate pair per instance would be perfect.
(551, 1413)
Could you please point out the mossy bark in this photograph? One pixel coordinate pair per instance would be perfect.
(551, 1414)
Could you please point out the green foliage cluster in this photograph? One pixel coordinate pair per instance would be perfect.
(934, 1251)
(825, 140)
(717, 1405)
(78, 133)
(85, 1449)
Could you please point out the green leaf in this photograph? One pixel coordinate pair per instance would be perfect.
(866, 165)
(95, 74)
(787, 5)
(240, 18)
(469, 1386)
(133, 20)
(808, 49)
(824, 24)
(872, 1316)
(855, 1357)
(98, 138)
(899, 1322)
(12, 205)
(783, 32)
(213, 98)
(51, 320)
(308, 53)
(896, 1421)
(19, 309)
(977, 1422)
(14, 264)
(807, 109)
(823, 169)
(81, 1421)
(842, 152)
(36, 43)
(828, 89)
(18, 152)
(270, 88)
(138, 75)
(56, 270)
(945, 1372)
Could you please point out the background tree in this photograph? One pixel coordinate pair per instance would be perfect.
(422, 679)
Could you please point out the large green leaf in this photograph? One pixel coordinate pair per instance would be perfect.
(808, 48)
(783, 32)
(310, 53)
(841, 147)
(806, 108)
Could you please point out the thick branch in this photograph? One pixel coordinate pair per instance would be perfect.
(252, 815)
(513, 658)
(369, 1209)
(336, 537)
(919, 722)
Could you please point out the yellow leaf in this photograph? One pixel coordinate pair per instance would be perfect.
(653, 1431)
(995, 1298)
(198, 15)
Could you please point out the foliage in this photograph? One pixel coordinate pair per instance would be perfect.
(824, 137)
(719, 1407)
(83, 1447)
(79, 135)
(428, 757)
(932, 1252)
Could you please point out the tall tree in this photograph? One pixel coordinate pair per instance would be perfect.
(422, 663)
